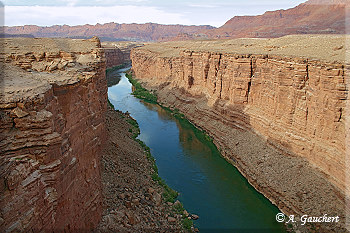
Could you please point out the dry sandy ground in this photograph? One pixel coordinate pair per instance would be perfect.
(329, 48)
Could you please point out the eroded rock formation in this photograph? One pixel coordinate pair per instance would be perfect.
(53, 104)
(276, 109)
(114, 57)
(118, 53)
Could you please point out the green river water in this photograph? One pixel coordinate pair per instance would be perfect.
(209, 186)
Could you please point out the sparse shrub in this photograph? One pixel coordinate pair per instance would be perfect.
(110, 104)
(168, 195)
(114, 68)
(187, 223)
(141, 92)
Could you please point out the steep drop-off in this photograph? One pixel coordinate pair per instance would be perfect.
(118, 53)
(276, 109)
(114, 57)
(53, 104)
(132, 200)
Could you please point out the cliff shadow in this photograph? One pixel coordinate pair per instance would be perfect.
(2, 36)
(347, 119)
(261, 159)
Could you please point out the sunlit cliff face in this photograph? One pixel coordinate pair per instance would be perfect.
(292, 98)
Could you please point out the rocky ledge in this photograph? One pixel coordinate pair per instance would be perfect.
(67, 162)
(53, 103)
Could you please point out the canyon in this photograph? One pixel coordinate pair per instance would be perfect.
(53, 105)
(68, 161)
(118, 53)
(275, 108)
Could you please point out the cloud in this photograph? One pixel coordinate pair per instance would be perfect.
(47, 15)
(186, 12)
(137, 1)
(71, 2)
(113, 2)
(202, 5)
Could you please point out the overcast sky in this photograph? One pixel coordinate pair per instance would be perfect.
(188, 12)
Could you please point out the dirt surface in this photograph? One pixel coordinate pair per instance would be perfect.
(132, 200)
(49, 45)
(31, 65)
(321, 47)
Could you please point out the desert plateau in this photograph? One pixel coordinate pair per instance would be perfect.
(144, 126)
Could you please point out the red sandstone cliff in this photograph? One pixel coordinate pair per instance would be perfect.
(114, 57)
(118, 53)
(290, 92)
(312, 17)
(53, 105)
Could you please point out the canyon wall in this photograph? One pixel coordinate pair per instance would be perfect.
(53, 104)
(114, 57)
(118, 53)
(294, 99)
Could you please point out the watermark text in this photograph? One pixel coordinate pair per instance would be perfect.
(280, 217)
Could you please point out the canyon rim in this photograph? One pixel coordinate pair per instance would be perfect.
(270, 91)
(291, 103)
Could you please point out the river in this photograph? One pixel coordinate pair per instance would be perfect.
(209, 186)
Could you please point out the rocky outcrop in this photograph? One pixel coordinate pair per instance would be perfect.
(276, 112)
(118, 53)
(53, 105)
(114, 57)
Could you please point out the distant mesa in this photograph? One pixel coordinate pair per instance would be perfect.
(5, 35)
(311, 17)
(109, 31)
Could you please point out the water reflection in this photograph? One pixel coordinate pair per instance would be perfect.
(208, 185)
(113, 78)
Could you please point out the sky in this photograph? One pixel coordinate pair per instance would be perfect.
(187, 12)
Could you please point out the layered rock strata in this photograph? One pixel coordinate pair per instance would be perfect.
(276, 108)
(118, 53)
(311, 17)
(53, 104)
(114, 57)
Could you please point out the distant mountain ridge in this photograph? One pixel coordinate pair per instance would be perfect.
(109, 31)
(311, 17)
